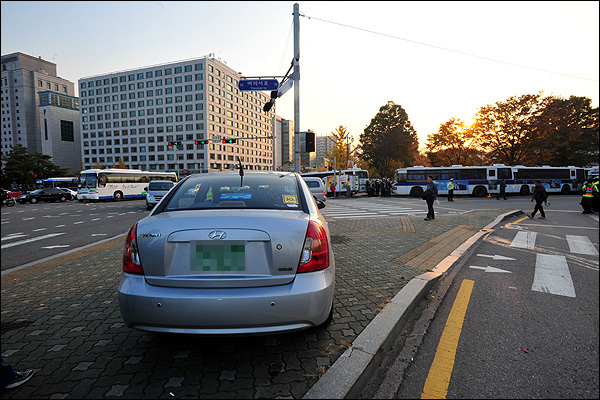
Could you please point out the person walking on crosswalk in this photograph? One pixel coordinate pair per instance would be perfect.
(540, 195)
(430, 195)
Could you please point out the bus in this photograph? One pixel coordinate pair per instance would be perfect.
(357, 177)
(117, 184)
(480, 181)
(69, 182)
(555, 179)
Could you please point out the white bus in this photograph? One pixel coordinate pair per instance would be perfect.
(481, 181)
(69, 182)
(117, 184)
(357, 177)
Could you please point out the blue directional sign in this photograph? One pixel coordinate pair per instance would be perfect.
(258, 84)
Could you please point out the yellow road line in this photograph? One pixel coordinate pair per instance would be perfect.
(436, 385)
(519, 220)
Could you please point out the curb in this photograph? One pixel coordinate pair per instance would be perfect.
(355, 367)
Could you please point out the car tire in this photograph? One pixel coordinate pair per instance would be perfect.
(566, 189)
(33, 200)
(63, 199)
(118, 196)
(524, 191)
(148, 207)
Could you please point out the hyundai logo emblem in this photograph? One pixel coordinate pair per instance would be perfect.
(217, 235)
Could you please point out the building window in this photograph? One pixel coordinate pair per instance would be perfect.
(66, 131)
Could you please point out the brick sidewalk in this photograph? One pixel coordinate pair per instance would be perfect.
(63, 321)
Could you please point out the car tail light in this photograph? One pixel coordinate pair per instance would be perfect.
(131, 255)
(315, 254)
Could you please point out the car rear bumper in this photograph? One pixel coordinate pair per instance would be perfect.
(303, 303)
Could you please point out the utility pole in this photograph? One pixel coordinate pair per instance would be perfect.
(296, 79)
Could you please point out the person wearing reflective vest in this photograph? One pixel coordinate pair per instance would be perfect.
(588, 197)
(451, 190)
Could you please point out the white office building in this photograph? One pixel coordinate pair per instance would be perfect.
(131, 116)
(323, 144)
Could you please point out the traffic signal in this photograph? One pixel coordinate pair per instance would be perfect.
(310, 142)
(229, 141)
(204, 141)
(174, 143)
(330, 167)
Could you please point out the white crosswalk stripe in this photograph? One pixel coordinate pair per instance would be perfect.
(581, 245)
(524, 240)
(552, 275)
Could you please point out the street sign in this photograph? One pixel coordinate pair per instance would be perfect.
(258, 84)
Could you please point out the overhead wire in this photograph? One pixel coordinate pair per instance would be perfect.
(446, 49)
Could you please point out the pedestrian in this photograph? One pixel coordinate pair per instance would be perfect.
(587, 199)
(11, 378)
(540, 195)
(332, 188)
(377, 187)
(368, 187)
(596, 201)
(451, 190)
(502, 191)
(430, 195)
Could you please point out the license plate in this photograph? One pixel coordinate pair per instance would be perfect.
(84, 197)
(217, 258)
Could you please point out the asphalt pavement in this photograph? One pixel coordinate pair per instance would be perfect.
(61, 319)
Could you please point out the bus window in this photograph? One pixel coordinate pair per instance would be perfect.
(504, 173)
(492, 173)
(401, 178)
(416, 176)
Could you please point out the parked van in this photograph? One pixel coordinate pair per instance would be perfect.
(155, 191)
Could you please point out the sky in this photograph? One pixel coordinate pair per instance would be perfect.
(438, 60)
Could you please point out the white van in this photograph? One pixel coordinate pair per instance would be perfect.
(155, 191)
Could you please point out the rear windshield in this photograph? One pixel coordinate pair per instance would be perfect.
(313, 184)
(219, 190)
(160, 185)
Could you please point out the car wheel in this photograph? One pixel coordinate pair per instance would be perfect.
(63, 199)
(524, 191)
(33, 200)
(148, 207)
(118, 196)
(566, 189)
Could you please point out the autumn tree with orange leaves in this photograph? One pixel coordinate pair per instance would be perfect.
(454, 143)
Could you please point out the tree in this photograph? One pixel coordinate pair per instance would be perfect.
(508, 129)
(390, 141)
(569, 131)
(454, 144)
(24, 168)
(341, 139)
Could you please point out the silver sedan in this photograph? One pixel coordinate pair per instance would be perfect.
(230, 253)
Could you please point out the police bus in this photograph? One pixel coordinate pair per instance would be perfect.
(117, 184)
(355, 176)
(480, 181)
(68, 182)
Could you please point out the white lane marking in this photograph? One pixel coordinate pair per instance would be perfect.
(581, 245)
(552, 275)
(60, 226)
(558, 226)
(99, 234)
(4, 246)
(14, 236)
(57, 246)
(28, 219)
(524, 240)
(95, 219)
(496, 257)
(490, 269)
(594, 217)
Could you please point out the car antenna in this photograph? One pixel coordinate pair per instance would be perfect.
(241, 171)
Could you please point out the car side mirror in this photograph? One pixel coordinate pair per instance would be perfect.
(320, 204)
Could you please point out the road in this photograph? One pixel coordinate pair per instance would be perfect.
(31, 232)
(519, 320)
